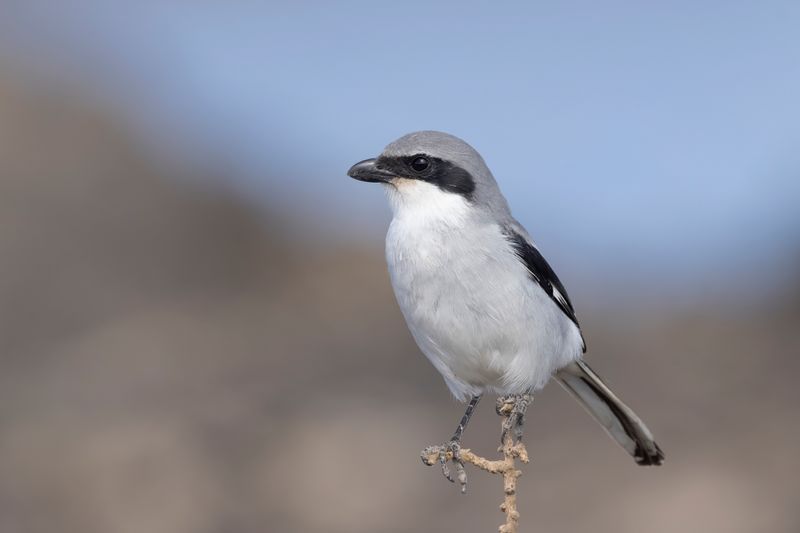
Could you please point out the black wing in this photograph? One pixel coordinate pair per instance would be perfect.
(541, 273)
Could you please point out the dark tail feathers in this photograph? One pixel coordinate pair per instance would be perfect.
(617, 419)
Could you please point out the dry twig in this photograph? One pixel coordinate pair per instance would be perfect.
(505, 466)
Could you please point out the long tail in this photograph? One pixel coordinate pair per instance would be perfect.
(617, 418)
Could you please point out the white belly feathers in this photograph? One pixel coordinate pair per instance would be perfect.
(468, 299)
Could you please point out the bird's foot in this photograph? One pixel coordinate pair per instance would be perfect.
(513, 407)
(450, 452)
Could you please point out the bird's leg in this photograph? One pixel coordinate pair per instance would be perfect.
(453, 448)
(465, 419)
(513, 407)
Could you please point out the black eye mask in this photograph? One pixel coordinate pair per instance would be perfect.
(444, 174)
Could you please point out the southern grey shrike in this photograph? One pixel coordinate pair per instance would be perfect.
(479, 298)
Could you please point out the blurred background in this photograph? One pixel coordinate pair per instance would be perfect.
(197, 332)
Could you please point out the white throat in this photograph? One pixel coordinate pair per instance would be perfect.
(425, 203)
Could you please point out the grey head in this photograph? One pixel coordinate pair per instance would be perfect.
(440, 159)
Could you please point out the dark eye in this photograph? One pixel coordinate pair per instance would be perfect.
(420, 163)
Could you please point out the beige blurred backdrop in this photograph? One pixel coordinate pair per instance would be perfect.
(172, 362)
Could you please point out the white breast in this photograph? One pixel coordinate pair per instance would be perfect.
(467, 298)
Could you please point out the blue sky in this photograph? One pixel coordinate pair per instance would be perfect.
(632, 139)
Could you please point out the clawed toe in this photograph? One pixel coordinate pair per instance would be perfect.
(444, 454)
(513, 407)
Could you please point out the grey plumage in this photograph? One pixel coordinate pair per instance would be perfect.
(479, 299)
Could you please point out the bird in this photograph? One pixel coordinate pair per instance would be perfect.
(478, 296)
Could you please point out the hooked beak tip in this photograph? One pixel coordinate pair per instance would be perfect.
(367, 171)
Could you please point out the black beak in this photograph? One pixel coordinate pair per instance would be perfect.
(367, 171)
